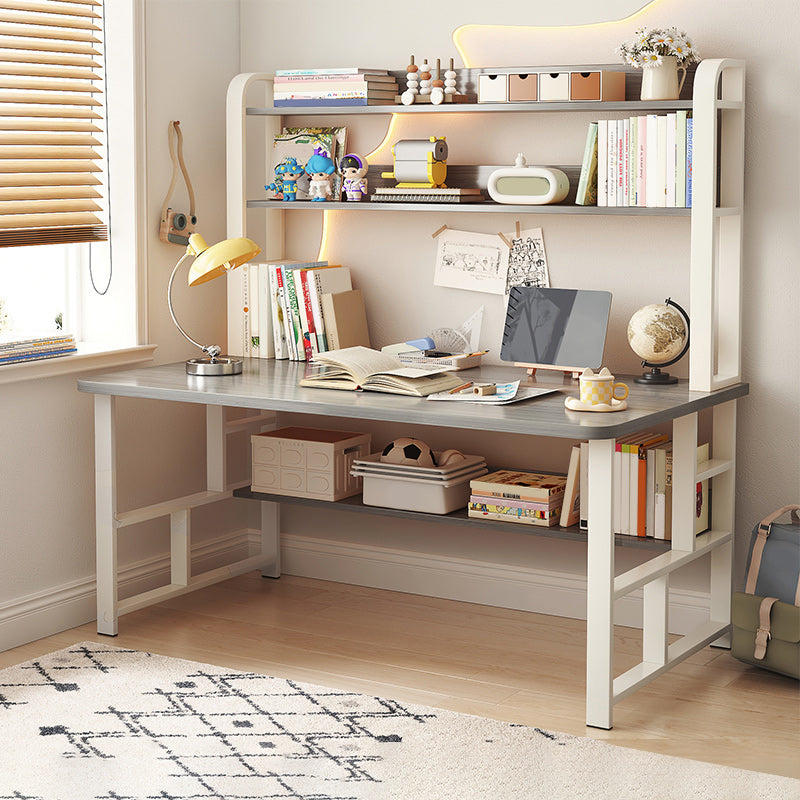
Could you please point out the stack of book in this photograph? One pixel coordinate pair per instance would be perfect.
(15, 348)
(303, 308)
(642, 499)
(344, 86)
(530, 498)
(643, 161)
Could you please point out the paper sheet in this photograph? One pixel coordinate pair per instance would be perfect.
(477, 262)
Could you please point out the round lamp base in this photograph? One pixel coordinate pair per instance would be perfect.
(656, 378)
(222, 365)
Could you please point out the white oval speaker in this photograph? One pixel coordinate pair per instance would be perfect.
(524, 185)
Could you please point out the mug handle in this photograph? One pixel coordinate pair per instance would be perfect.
(683, 78)
(621, 386)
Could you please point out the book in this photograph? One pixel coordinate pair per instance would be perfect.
(651, 160)
(689, 154)
(36, 354)
(276, 313)
(663, 506)
(587, 183)
(245, 326)
(359, 368)
(626, 162)
(660, 490)
(334, 280)
(571, 507)
(621, 149)
(511, 503)
(602, 162)
(283, 73)
(335, 94)
(515, 485)
(638, 483)
(661, 162)
(252, 291)
(612, 162)
(633, 159)
(641, 160)
(702, 498)
(680, 158)
(332, 102)
(333, 79)
(513, 514)
(345, 319)
(671, 155)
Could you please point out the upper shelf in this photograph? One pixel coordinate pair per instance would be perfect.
(466, 108)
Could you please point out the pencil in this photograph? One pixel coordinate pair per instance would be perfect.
(460, 388)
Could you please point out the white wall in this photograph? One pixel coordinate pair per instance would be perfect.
(641, 260)
(46, 436)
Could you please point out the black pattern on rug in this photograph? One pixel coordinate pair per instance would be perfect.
(234, 727)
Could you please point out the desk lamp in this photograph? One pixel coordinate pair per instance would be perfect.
(210, 263)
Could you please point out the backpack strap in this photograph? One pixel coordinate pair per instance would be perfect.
(763, 634)
(764, 528)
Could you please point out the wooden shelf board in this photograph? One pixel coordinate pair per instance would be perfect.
(355, 504)
(634, 106)
(490, 207)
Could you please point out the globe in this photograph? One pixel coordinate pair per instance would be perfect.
(657, 333)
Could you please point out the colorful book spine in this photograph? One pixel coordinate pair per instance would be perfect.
(612, 163)
(528, 505)
(283, 73)
(680, 159)
(36, 355)
(632, 160)
(689, 131)
(328, 102)
(276, 313)
(671, 156)
(307, 317)
(294, 314)
(245, 330)
(332, 79)
(253, 297)
(651, 166)
(626, 162)
(287, 317)
(316, 310)
(336, 94)
(641, 161)
(661, 162)
(515, 516)
(620, 162)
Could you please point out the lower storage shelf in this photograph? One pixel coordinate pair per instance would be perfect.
(355, 505)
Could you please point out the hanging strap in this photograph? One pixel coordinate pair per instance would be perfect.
(764, 528)
(763, 634)
(177, 162)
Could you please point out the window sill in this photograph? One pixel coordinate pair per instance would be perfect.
(89, 356)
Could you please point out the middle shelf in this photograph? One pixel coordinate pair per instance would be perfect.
(355, 504)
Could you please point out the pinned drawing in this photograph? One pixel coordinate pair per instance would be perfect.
(527, 261)
(477, 262)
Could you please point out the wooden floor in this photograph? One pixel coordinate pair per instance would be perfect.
(507, 665)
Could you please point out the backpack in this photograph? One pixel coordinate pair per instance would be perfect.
(766, 616)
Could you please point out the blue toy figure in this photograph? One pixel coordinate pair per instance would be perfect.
(288, 173)
(320, 168)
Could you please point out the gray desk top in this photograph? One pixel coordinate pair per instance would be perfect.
(272, 385)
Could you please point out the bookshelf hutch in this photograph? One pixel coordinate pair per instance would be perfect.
(269, 387)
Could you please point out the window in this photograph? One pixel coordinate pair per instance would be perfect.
(53, 160)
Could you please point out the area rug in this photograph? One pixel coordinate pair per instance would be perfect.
(99, 722)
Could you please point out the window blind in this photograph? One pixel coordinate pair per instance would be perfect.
(50, 110)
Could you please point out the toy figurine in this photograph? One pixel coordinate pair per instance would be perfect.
(354, 170)
(320, 169)
(287, 173)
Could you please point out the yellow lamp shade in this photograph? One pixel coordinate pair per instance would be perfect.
(211, 262)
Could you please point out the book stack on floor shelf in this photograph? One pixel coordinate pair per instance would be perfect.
(15, 348)
(643, 161)
(346, 86)
(642, 500)
(302, 308)
(530, 498)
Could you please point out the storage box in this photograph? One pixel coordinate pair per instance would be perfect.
(493, 88)
(307, 462)
(603, 85)
(553, 86)
(523, 87)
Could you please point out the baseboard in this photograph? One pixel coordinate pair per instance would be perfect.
(542, 591)
(71, 604)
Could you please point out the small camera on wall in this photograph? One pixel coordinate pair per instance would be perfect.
(177, 227)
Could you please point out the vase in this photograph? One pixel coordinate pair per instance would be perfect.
(661, 82)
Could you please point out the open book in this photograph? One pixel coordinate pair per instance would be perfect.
(361, 368)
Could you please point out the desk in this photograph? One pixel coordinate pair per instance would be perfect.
(270, 387)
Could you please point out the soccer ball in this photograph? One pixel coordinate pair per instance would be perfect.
(411, 452)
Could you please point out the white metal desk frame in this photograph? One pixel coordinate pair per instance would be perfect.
(603, 690)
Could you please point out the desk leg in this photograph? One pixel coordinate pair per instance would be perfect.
(271, 539)
(600, 588)
(105, 468)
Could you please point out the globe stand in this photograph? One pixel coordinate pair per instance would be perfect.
(656, 377)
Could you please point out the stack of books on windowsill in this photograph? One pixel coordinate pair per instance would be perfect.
(344, 86)
(530, 498)
(15, 347)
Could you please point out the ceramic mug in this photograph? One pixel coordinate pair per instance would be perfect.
(598, 388)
